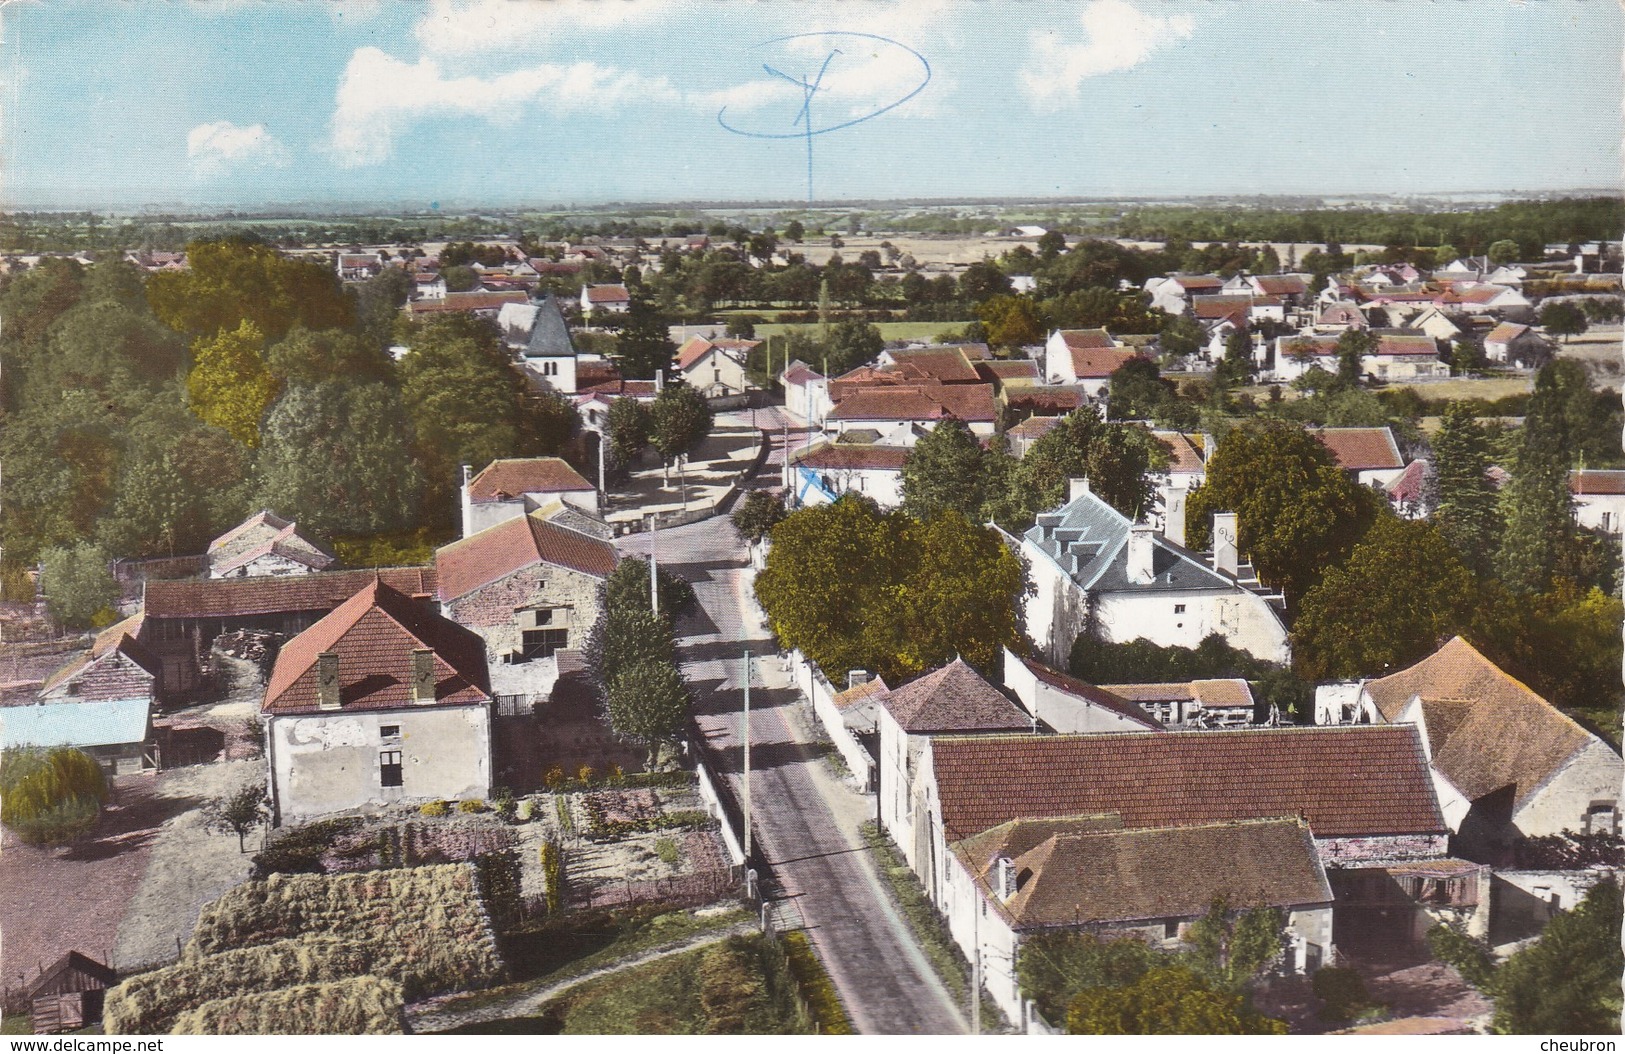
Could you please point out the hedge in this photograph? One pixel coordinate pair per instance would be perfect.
(425, 926)
(359, 1006)
(149, 1003)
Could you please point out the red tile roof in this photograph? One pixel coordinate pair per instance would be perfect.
(1084, 339)
(1189, 282)
(1034, 427)
(1099, 363)
(1281, 284)
(697, 347)
(1361, 449)
(374, 634)
(1349, 781)
(506, 547)
(1211, 307)
(1183, 455)
(1597, 481)
(996, 370)
(800, 373)
(855, 457)
(1404, 344)
(969, 402)
(607, 294)
(508, 478)
(268, 595)
(1505, 333)
(468, 302)
(618, 388)
(1047, 400)
(1487, 729)
(954, 699)
(1220, 692)
(1411, 485)
(947, 364)
(1095, 694)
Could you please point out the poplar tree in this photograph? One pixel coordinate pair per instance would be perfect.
(1465, 503)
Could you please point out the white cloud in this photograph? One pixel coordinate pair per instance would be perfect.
(866, 76)
(380, 96)
(1118, 35)
(219, 145)
(471, 27)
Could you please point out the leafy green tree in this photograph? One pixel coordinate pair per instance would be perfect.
(1169, 1000)
(1117, 459)
(1566, 983)
(547, 422)
(758, 514)
(1181, 336)
(240, 813)
(1137, 390)
(628, 424)
(460, 278)
(627, 589)
(1053, 966)
(1401, 594)
(238, 279)
(1535, 503)
(79, 587)
(1563, 319)
(648, 703)
(1011, 321)
(794, 231)
(1502, 252)
(1352, 347)
(855, 588)
(378, 303)
(121, 353)
(983, 280)
(1297, 512)
(61, 461)
(1467, 356)
(337, 458)
(50, 797)
(680, 419)
(1465, 501)
(622, 639)
(944, 471)
(229, 385)
(1233, 946)
(851, 344)
(961, 597)
(306, 357)
(644, 346)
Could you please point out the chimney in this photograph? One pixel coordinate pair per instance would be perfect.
(1077, 488)
(466, 505)
(857, 677)
(422, 675)
(1173, 517)
(1004, 883)
(327, 680)
(1226, 557)
(1141, 548)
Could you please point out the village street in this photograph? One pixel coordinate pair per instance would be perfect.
(804, 819)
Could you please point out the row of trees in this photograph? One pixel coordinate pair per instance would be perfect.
(631, 655)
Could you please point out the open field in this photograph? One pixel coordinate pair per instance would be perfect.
(888, 330)
(1488, 388)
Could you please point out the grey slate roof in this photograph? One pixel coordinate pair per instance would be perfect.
(1088, 539)
(550, 337)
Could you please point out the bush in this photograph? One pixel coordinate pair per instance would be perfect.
(300, 849)
(471, 806)
(1343, 993)
(733, 990)
(49, 797)
(812, 980)
(427, 926)
(433, 808)
(147, 1004)
(552, 859)
(1471, 957)
(359, 1006)
(524, 810)
(666, 850)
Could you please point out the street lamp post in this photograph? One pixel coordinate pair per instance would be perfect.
(747, 755)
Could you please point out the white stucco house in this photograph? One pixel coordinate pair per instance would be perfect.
(1094, 570)
(381, 701)
(873, 470)
(1597, 496)
(1066, 704)
(1085, 358)
(511, 487)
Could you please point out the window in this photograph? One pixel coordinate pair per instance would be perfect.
(389, 768)
(388, 733)
(1179, 609)
(1170, 929)
(1602, 818)
(543, 631)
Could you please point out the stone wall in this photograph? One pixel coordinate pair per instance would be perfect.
(492, 611)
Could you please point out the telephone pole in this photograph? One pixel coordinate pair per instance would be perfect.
(747, 755)
(654, 575)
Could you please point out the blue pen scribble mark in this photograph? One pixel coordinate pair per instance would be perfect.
(804, 128)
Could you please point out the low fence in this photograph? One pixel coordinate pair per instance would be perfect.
(812, 681)
(714, 804)
(159, 568)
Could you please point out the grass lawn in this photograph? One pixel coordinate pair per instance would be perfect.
(888, 330)
(16, 1025)
(558, 949)
(739, 986)
(1487, 388)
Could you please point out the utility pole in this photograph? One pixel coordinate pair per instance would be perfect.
(976, 970)
(654, 577)
(603, 444)
(747, 755)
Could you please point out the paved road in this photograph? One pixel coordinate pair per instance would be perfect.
(805, 821)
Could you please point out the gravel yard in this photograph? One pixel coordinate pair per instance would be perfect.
(188, 865)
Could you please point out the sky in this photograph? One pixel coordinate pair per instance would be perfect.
(114, 104)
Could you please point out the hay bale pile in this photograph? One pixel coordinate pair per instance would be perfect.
(421, 931)
(359, 1006)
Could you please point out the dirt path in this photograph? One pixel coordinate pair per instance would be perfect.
(432, 1017)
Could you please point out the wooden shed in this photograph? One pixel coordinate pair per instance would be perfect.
(69, 993)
